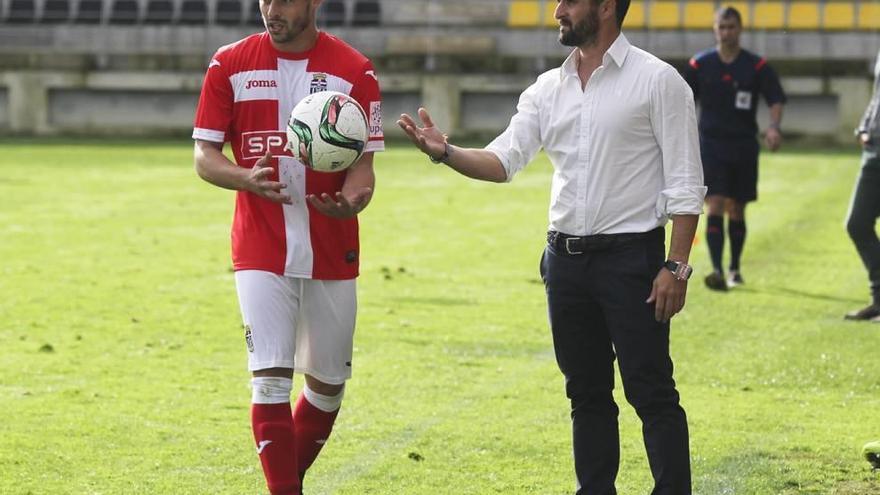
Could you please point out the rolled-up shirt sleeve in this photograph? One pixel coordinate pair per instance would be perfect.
(870, 122)
(674, 123)
(521, 141)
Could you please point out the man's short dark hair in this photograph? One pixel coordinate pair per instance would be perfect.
(728, 12)
(622, 8)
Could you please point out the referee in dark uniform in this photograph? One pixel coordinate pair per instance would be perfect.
(728, 82)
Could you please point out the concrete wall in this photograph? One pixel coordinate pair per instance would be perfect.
(139, 103)
(135, 111)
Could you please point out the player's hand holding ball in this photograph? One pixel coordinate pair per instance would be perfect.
(259, 182)
(343, 205)
(428, 138)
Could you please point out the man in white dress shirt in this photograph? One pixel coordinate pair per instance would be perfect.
(619, 126)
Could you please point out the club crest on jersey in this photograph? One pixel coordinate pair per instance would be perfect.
(261, 84)
(319, 83)
(249, 338)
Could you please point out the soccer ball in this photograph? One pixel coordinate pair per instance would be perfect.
(327, 131)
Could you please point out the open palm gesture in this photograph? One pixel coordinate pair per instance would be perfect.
(427, 138)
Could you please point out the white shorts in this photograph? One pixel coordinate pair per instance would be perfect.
(298, 323)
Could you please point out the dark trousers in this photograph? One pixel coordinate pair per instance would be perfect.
(863, 213)
(597, 309)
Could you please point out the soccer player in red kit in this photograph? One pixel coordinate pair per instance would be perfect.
(295, 232)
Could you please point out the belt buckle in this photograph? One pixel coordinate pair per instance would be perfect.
(568, 245)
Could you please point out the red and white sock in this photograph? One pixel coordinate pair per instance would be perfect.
(313, 420)
(272, 423)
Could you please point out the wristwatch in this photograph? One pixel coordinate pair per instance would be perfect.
(680, 270)
(442, 158)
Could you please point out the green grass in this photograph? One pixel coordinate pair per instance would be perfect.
(122, 366)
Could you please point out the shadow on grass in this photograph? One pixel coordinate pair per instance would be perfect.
(786, 291)
(435, 301)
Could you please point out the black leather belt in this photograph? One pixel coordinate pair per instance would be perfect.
(572, 244)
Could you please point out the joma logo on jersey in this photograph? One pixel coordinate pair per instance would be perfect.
(256, 144)
(261, 84)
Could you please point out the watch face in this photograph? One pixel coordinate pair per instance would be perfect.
(681, 271)
(685, 271)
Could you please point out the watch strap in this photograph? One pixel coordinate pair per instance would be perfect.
(681, 271)
(442, 158)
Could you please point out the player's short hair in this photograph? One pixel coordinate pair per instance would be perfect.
(728, 12)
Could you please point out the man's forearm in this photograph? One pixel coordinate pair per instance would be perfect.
(359, 176)
(776, 115)
(683, 229)
(213, 166)
(475, 163)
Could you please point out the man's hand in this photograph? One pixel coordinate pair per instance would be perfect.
(341, 206)
(428, 138)
(773, 138)
(668, 294)
(863, 139)
(258, 182)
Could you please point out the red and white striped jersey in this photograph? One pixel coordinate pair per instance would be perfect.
(248, 93)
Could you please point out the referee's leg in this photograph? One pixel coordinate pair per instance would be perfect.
(642, 345)
(586, 359)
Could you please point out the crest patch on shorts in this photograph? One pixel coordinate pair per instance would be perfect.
(249, 338)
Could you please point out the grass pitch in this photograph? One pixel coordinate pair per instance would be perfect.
(122, 359)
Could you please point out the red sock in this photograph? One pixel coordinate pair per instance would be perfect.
(312, 427)
(276, 446)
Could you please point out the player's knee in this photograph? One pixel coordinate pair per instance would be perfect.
(271, 389)
(328, 401)
(735, 210)
(322, 387)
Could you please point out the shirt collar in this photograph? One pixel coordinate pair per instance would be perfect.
(616, 52)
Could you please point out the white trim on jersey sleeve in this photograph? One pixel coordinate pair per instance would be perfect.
(209, 135)
(374, 146)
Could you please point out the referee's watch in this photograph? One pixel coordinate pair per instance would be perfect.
(680, 270)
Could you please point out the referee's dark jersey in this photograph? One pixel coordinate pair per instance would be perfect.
(728, 93)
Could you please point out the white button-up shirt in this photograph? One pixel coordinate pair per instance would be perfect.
(625, 149)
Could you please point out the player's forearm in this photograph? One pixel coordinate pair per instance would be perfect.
(776, 115)
(476, 163)
(683, 229)
(213, 166)
(359, 176)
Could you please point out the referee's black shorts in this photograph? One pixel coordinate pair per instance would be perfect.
(730, 167)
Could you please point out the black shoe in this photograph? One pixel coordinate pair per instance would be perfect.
(734, 279)
(715, 281)
(867, 313)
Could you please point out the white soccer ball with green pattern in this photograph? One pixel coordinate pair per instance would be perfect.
(327, 131)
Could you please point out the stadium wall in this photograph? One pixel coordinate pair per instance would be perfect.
(133, 70)
(138, 103)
